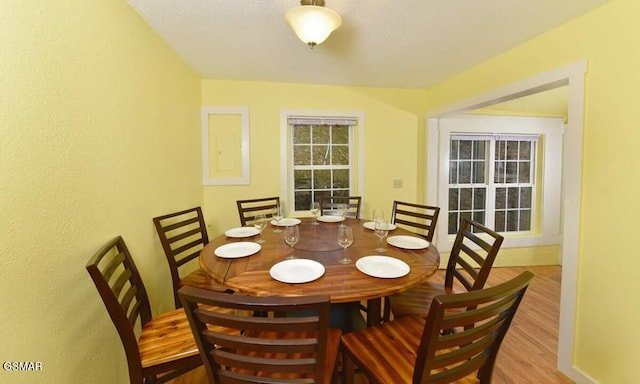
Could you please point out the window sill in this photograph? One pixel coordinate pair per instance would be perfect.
(519, 241)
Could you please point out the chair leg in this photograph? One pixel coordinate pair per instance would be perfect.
(386, 308)
(347, 368)
(486, 372)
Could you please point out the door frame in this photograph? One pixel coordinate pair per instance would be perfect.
(572, 75)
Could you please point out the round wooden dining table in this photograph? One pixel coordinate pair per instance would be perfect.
(344, 283)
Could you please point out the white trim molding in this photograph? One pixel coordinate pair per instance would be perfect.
(572, 75)
(546, 230)
(285, 114)
(245, 177)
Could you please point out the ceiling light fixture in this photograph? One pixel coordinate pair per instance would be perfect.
(312, 22)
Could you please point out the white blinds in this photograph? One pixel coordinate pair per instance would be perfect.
(496, 136)
(303, 120)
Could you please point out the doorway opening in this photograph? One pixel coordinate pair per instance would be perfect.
(572, 76)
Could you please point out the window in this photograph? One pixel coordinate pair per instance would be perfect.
(502, 171)
(320, 158)
(321, 162)
(492, 181)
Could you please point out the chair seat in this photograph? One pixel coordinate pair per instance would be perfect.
(167, 337)
(395, 343)
(416, 300)
(200, 279)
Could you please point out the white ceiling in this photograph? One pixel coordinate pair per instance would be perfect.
(381, 43)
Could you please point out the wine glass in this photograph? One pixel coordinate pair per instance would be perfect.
(342, 211)
(291, 237)
(260, 224)
(378, 214)
(345, 239)
(381, 230)
(315, 208)
(277, 216)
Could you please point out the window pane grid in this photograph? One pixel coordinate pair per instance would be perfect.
(513, 178)
(513, 209)
(513, 162)
(467, 162)
(321, 162)
(467, 175)
(511, 186)
(469, 202)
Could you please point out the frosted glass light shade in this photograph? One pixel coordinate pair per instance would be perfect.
(313, 24)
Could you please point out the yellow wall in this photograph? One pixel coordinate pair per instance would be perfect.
(99, 132)
(608, 306)
(392, 119)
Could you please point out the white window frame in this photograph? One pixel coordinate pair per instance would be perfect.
(286, 155)
(551, 131)
(490, 185)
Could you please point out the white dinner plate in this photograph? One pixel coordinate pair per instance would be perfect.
(286, 222)
(371, 225)
(331, 219)
(242, 232)
(407, 242)
(236, 250)
(382, 266)
(297, 271)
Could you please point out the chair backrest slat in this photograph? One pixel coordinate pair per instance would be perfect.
(128, 298)
(111, 268)
(288, 347)
(182, 234)
(181, 222)
(418, 218)
(467, 278)
(250, 208)
(330, 205)
(181, 252)
(472, 255)
(187, 258)
(112, 265)
(135, 311)
(121, 280)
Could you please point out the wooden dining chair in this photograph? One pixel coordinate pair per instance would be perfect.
(329, 205)
(412, 349)
(165, 347)
(248, 209)
(297, 346)
(472, 256)
(183, 234)
(418, 218)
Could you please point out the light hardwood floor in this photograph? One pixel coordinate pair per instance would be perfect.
(528, 352)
